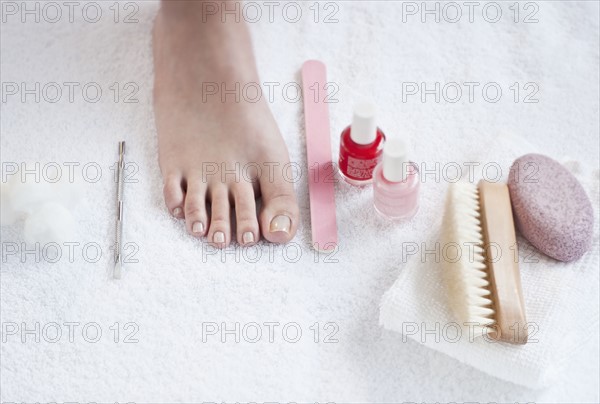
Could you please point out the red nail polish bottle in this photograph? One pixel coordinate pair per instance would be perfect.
(361, 146)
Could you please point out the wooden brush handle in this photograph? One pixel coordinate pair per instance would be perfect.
(501, 254)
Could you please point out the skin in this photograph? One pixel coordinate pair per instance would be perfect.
(198, 135)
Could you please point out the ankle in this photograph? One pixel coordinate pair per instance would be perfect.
(181, 8)
(224, 12)
(226, 47)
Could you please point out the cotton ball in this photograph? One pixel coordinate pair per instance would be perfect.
(30, 195)
(52, 222)
(8, 214)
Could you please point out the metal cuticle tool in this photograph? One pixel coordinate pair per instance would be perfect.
(119, 223)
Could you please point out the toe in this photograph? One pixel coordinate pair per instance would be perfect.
(174, 195)
(279, 213)
(219, 232)
(245, 214)
(196, 219)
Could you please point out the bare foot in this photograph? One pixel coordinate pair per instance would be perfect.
(198, 135)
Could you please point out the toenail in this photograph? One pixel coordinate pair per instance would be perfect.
(280, 223)
(248, 237)
(177, 212)
(198, 227)
(219, 237)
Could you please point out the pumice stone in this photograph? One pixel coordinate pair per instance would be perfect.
(551, 208)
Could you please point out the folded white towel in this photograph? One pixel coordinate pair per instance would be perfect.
(561, 303)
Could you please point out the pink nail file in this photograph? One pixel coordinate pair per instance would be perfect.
(321, 177)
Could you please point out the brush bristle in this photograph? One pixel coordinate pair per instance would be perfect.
(466, 274)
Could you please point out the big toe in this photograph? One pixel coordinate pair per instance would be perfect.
(279, 212)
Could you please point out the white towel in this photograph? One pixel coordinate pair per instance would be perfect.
(562, 310)
(175, 288)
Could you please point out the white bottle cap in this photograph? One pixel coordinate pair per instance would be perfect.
(364, 128)
(395, 162)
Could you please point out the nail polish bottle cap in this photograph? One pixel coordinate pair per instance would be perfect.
(364, 129)
(395, 161)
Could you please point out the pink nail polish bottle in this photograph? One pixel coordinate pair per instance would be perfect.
(396, 183)
(361, 145)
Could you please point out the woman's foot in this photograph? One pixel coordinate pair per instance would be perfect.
(217, 154)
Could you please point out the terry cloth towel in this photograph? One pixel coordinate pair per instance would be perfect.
(561, 308)
(178, 285)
